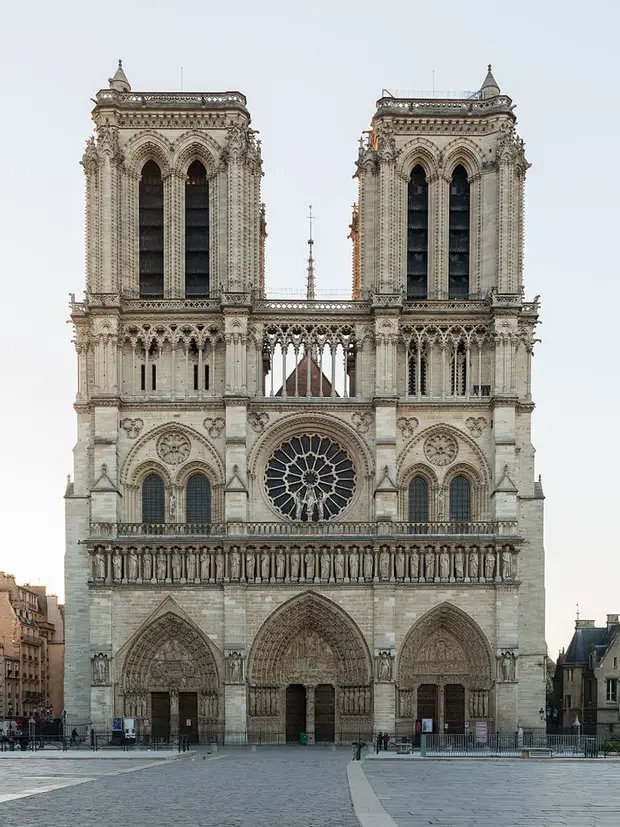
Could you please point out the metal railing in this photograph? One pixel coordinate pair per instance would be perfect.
(507, 745)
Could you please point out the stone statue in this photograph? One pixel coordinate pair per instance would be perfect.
(235, 667)
(384, 564)
(280, 564)
(264, 564)
(400, 563)
(325, 564)
(429, 560)
(219, 565)
(473, 565)
(354, 565)
(507, 564)
(385, 666)
(250, 561)
(339, 564)
(117, 565)
(161, 565)
(294, 565)
(444, 564)
(147, 566)
(459, 564)
(489, 566)
(368, 564)
(235, 565)
(508, 666)
(204, 564)
(309, 557)
(172, 507)
(100, 669)
(99, 565)
(177, 564)
(415, 564)
(311, 498)
(133, 564)
(190, 563)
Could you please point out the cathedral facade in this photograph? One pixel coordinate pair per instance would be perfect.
(303, 516)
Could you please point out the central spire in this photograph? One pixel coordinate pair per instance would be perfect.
(310, 287)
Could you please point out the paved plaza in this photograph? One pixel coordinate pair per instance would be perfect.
(305, 787)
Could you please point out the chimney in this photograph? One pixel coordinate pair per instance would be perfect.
(612, 620)
(585, 624)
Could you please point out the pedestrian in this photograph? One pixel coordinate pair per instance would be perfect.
(379, 740)
(386, 741)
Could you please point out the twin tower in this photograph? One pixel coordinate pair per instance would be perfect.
(303, 516)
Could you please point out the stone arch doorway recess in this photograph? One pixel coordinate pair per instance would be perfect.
(309, 671)
(170, 682)
(444, 672)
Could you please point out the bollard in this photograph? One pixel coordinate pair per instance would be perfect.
(253, 747)
(214, 747)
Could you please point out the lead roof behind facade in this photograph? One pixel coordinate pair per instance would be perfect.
(583, 640)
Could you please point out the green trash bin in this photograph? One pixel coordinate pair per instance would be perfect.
(303, 738)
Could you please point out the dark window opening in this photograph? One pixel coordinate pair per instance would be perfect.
(418, 500)
(412, 377)
(459, 371)
(195, 377)
(417, 235)
(154, 377)
(153, 509)
(198, 499)
(151, 221)
(458, 243)
(142, 377)
(460, 500)
(206, 377)
(196, 232)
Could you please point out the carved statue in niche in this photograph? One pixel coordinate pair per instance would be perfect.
(325, 564)
(444, 564)
(339, 564)
(294, 565)
(309, 564)
(384, 564)
(280, 564)
(384, 668)
(368, 564)
(117, 565)
(400, 563)
(250, 560)
(204, 564)
(507, 662)
(132, 564)
(161, 564)
(459, 564)
(147, 566)
(354, 566)
(264, 564)
(176, 565)
(473, 564)
(507, 564)
(190, 564)
(235, 565)
(235, 665)
(100, 670)
(99, 565)
(415, 564)
(489, 566)
(172, 507)
(429, 561)
(219, 565)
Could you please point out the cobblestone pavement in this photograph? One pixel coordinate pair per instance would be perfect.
(497, 794)
(272, 787)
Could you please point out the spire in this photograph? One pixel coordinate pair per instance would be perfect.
(489, 89)
(310, 289)
(119, 81)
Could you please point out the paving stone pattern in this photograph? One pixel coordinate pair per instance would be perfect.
(497, 794)
(272, 787)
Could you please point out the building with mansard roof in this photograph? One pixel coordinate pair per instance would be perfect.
(303, 515)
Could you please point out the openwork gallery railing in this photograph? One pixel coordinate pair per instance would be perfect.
(381, 528)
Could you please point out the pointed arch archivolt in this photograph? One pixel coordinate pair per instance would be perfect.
(313, 614)
(196, 146)
(148, 146)
(413, 453)
(465, 152)
(419, 151)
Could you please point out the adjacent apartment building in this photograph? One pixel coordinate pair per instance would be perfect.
(32, 643)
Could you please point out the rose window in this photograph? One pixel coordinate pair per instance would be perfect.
(173, 447)
(441, 449)
(310, 478)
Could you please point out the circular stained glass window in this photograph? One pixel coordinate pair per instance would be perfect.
(310, 478)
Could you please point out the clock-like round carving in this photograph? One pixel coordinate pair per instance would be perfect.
(441, 449)
(173, 447)
(310, 478)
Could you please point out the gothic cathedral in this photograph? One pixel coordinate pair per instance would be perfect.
(303, 516)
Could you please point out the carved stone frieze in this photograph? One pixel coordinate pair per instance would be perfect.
(258, 421)
(132, 426)
(214, 425)
(476, 425)
(441, 449)
(173, 447)
(407, 425)
(361, 422)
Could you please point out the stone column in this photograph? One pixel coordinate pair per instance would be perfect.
(310, 713)
(174, 712)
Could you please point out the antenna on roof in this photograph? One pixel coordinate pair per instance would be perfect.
(577, 611)
(310, 287)
(181, 78)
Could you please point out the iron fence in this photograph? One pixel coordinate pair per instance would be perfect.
(509, 745)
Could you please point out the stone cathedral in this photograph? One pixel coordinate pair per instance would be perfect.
(303, 515)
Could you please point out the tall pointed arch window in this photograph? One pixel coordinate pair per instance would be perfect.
(418, 500)
(153, 501)
(417, 235)
(460, 500)
(198, 499)
(196, 232)
(151, 201)
(458, 243)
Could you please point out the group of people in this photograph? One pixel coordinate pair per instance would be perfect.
(382, 741)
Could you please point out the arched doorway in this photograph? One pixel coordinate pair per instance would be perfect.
(170, 681)
(309, 665)
(444, 672)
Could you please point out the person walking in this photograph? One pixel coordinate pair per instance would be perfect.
(379, 741)
(386, 741)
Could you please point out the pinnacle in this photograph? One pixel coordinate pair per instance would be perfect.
(119, 80)
(490, 86)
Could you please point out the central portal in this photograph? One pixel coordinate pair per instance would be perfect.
(324, 713)
(295, 712)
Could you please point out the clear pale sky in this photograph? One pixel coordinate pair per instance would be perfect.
(312, 73)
